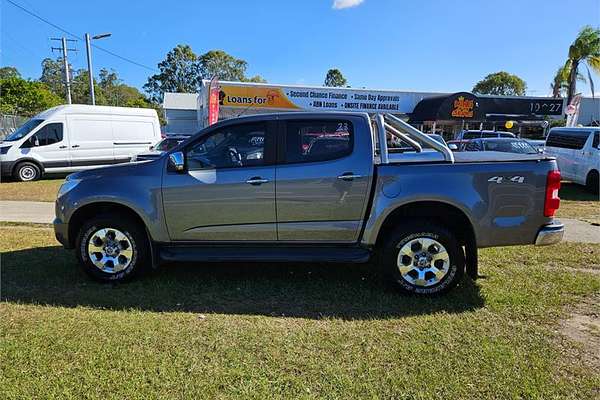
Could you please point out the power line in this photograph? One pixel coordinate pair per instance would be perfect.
(78, 37)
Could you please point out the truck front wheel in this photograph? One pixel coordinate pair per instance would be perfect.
(112, 248)
(423, 258)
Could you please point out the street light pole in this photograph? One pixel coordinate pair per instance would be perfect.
(90, 73)
(88, 47)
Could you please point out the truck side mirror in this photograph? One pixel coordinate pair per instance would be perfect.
(177, 161)
(453, 147)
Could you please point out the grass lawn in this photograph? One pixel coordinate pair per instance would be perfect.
(576, 202)
(42, 190)
(291, 331)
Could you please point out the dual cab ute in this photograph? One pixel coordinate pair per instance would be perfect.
(310, 187)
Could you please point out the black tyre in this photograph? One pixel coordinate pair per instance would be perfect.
(112, 248)
(423, 258)
(592, 183)
(27, 171)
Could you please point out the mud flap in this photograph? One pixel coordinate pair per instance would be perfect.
(471, 260)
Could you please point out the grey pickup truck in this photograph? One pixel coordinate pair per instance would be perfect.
(310, 187)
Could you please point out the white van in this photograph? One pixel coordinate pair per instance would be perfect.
(577, 152)
(69, 138)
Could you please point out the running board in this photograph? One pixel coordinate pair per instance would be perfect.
(264, 254)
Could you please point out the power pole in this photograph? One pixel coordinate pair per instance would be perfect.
(65, 60)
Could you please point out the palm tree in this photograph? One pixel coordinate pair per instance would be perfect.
(584, 50)
(560, 83)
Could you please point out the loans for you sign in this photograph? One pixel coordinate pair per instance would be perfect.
(298, 98)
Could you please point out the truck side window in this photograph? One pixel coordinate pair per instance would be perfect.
(48, 134)
(596, 141)
(311, 141)
(229, 147)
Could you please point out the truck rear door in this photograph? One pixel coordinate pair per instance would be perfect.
(324, 175)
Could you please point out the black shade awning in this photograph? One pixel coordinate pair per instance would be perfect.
(469, 107)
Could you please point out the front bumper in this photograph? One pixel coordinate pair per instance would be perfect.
(550, 234)
(61, 231)
(6, 168)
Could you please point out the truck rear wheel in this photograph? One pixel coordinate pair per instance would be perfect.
(112, 248)
(423, 258)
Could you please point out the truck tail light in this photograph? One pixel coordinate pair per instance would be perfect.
(552, 200)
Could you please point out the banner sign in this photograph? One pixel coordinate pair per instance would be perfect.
(573, 111)
(314, 99)
(213, 101)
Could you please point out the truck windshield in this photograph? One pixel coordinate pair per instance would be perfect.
(23, 130)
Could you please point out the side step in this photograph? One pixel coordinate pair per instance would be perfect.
(264, 254)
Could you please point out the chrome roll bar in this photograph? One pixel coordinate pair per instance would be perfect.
(409, 130)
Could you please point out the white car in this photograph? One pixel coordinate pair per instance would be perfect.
(577, 152)
(74, 137)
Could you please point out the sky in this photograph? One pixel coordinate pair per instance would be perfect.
(424, 45)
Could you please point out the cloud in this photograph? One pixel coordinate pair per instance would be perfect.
(340, 4)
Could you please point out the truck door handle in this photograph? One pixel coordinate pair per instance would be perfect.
(62, 147)
(75, 146)
(348, 176)
(257, 180)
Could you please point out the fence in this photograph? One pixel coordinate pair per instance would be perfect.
(9, 123)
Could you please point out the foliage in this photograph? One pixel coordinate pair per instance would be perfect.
(335, 78)
(584, 50)
(9, 72)
(53, 75)
(501, 84)
(224, 66)
(24, 97)
(180, 72)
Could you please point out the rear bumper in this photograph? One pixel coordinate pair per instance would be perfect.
(550, 234)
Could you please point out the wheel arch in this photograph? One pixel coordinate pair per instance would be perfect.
(28, 159)
(90, 210)
(449, 215)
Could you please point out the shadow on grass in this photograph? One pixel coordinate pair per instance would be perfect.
(50, 275)
(572, 191)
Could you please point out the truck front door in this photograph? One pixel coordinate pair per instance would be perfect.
(324, 174)
(227, 191)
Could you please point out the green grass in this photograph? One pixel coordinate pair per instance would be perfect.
(290, 331)
(42, 190)
(576, 202)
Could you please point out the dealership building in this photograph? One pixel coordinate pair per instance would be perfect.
(445, 113)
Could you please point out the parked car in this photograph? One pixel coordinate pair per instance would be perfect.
(421, 215)
(457, 145)
(539, 145)
(577, 152)
(475, 134)
(75, 137)
(504, 145)
(159, 148)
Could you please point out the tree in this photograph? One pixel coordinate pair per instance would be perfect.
(501, 84)
(335, 78)
(53, 75)
(584, 50)
(179, 72)
(560, 83)
(224, 66)
(9, 72)
(24, 97)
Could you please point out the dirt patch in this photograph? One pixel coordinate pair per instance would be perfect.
(582, 325)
